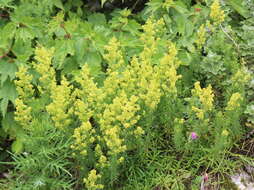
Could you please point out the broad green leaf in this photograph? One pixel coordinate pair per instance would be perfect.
(180, 7)
(25, 34)
(70, 64)
(81, 44)
(97, 19)
(93, 59)
(7, 70)
(180, 20)
(71, 26)
(133, 27)
(22, 49)
(4, 105)
(184, 57)
(58, 4)
(55, 22)
(17, 146)
(8, 91)
(63, 48)
(10, 126)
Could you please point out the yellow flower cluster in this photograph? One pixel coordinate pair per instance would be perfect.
(114, 55)
(167, 70)
(44, 68)
(240, 78)
(149, 84)
(205, 96)
(121, 113)
(149, 37)
(22, 113)
(84, 136)
(216, 14)
(23, 84)
(126, 110)
(89, 91)
(201, 36)
(102, 160)
(199, 112)
(225, 133)
(91, 180)
(59, 107)
(234, 101)
(25, 95)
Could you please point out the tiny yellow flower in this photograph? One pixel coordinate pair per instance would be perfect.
(234, 101)
(225, 133)
(216, 14)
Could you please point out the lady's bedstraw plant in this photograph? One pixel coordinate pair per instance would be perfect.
(116, 107)
(105, 120)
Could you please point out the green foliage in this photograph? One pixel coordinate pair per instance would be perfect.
(111, 100)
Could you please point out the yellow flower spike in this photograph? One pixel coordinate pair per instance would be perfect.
(89, 91)
(199, 112)
(114, 55)
(234, 102)
(58, 109)
(201, 36)
(121, 159)
(216, 14)
(22, 113)
(44, 68)
(23, 84)
(167, 70)
(102, 161)
(91, 181)
(83, 137)
(205, 96)
(240, 77)
(139, 131)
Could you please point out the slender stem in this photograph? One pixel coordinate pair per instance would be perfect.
(234, 42)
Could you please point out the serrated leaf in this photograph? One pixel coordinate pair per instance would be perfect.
(4, 106)
(70, 65)
(133, 27)
(97, 19)
(7, 70)
(22, 49)
(8, 91)
(63, 48)
(9, 124)
(180, 20)
(80, 49)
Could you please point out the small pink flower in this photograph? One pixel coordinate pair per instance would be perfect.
(193, 135)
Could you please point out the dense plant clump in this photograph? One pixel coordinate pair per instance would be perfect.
(108, 98)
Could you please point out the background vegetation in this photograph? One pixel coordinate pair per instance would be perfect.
(125, 94)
